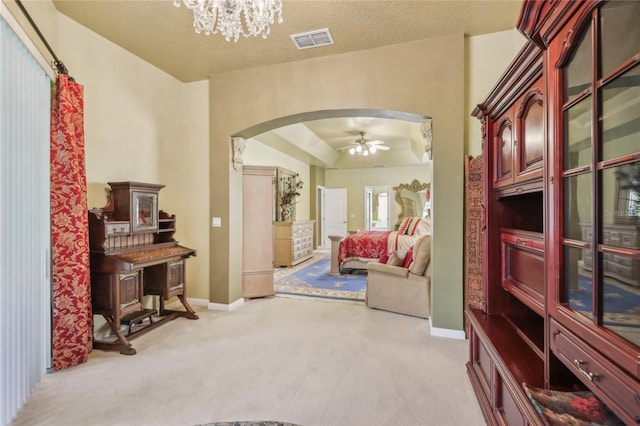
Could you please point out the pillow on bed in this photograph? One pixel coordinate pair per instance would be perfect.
(397, 258)
(415, 226)
(422, 227)
(384, 258)
(404, 225)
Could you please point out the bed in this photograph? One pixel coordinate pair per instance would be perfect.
(358, 249)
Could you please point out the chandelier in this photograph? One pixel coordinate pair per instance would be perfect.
(231, 18)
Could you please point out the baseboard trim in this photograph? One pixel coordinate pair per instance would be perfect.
(446, 332)
(210, 306)
(225, 307)
(195, 302)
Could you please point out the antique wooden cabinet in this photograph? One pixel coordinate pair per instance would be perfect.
(561, 142)
(134, 254)
(293, 242)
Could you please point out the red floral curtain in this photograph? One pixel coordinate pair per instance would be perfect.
(72, 329)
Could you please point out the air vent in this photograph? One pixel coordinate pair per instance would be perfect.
(312, 39)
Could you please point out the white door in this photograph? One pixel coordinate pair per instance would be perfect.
(335, 214)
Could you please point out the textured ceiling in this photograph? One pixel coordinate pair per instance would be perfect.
(163, 35)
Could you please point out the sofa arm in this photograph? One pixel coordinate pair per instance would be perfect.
(383, 268)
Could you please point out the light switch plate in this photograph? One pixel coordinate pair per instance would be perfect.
(216, 222)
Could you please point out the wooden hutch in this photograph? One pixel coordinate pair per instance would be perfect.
(561, 149)
(134, 254)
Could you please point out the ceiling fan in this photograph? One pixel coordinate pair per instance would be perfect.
(363, 147)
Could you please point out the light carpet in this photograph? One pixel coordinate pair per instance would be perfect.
(312, 279)
(250, 423)
(306, 362)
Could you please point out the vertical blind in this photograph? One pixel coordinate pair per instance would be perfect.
(25, 305)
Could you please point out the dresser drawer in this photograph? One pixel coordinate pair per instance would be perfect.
(629, 239)
(619, 269)
(615, 388)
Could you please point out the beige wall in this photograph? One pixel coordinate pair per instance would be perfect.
(424, 77)
(354, 180)
(487, 58)
(143, 125)
(45, 15)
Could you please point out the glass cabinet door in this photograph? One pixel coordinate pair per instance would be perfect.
(600, 280)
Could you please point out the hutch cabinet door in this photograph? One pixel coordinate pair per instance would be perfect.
(529, 144)
(503, 150)
(175, 278)
(596, 191)
(129, 292)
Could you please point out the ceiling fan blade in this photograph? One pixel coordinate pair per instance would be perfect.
(382, 148)
(342, 148)
(375, 142)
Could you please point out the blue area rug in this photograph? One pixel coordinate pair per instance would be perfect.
(313, 280)
(621, 305)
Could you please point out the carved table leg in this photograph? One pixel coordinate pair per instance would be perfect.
(189, 313)
(121, 345)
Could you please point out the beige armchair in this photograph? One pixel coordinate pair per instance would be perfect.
(402, 290)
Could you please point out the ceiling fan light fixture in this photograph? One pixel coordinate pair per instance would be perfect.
(363, 147)
(233, 18)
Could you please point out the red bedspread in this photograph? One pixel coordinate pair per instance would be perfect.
(367, 244)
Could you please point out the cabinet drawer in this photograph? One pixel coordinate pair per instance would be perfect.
(611, 237)
(619, 260)
(629, 239)
(615, 388)
(523, 267)
(116, 228)
(618, 269)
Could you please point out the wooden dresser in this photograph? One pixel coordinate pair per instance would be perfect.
(134, 254)
(560, 276)
(618, 267)
(292, 242)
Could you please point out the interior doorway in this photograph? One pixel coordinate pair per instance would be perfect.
(332, 214)
(376, 208)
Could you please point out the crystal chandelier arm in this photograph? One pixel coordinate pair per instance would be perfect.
(233, 18)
